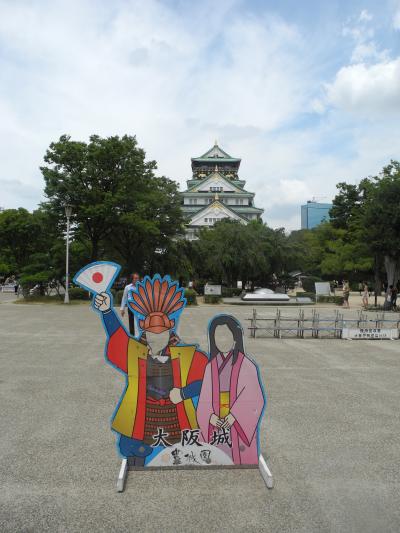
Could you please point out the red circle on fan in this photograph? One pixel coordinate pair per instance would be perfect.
(97, 277)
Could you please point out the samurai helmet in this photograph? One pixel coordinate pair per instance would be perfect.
(157, 302)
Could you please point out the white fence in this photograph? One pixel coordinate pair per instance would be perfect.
(313, 325)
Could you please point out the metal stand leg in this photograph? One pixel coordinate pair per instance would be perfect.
(122, 475)
(265, 472)
(262, 465)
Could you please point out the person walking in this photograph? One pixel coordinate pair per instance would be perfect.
(365, 295)
(124, 303)
(346, 294)
(360, 287)
(393, 297)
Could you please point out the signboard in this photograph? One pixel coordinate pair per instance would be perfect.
(212, 289)
(370, 333)
(181, 405)
(322, 288)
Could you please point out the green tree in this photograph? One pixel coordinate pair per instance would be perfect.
(119, 206)
(232, 251)
(380, 218)
(149, 220)
(346, 205)
(370, 216)
(20, 236)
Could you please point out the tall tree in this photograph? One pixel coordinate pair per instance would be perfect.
(370, 215)
(231, 251)
(119, 206)
(149, 218)
(345, 205)
(380, 218)
(20, 236)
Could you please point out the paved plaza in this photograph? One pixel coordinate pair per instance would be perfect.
(331, 435)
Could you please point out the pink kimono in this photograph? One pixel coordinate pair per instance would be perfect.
(246, 402)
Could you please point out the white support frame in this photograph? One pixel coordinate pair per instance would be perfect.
(123, 472)
(262, 466)
(265, 472)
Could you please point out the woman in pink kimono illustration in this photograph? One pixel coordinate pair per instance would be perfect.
(232, 399)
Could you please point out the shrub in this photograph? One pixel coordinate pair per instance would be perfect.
(199, 287)
(309, 283)
(229, 292)
(306, 295)
(37, 298)
(191, 296)
(117, 296)
(338, 300)
(76, 293)
(212, 299)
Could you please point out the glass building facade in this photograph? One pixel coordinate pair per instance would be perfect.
(313, 213)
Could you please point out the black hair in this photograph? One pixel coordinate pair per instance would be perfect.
(236, 330)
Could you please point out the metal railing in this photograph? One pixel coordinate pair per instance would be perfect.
(316, 326)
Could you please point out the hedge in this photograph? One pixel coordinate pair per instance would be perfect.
(117, 296)
(306, 295)
(229, 292)
(212, 299)
(308, 283)
(76, 293)
(338, 300)
(191, 296)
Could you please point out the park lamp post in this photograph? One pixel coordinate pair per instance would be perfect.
(68, 213)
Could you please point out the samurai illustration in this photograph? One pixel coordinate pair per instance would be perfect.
(163, 375)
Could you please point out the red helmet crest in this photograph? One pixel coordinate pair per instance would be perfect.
(157, 302)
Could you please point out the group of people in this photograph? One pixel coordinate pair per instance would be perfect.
(391, 293)
(392, 297)
(12, 281)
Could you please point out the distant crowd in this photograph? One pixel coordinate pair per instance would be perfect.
(390, 292)
(11, 282)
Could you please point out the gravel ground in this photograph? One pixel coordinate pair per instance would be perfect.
(331, 435)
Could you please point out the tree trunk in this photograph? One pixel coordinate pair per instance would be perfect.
(95, 250)
(378, 286)
(392, 267)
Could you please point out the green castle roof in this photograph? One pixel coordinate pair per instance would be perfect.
(215, 155)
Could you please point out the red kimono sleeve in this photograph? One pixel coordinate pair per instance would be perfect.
(198, 366)
(117, 349)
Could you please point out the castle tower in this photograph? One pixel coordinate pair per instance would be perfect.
(215, 192)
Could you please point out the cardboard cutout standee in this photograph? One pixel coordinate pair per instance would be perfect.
(180, 407)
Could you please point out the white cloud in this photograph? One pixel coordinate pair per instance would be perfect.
(180, 79)
(396, 20)
(365, 16)
(367, 89)
(368, 51)
(83, 67)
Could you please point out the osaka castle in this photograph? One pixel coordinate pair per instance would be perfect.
(215, 191)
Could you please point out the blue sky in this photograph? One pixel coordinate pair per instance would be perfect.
(306, 93)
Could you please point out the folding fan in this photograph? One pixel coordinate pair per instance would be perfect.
(97, 277)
